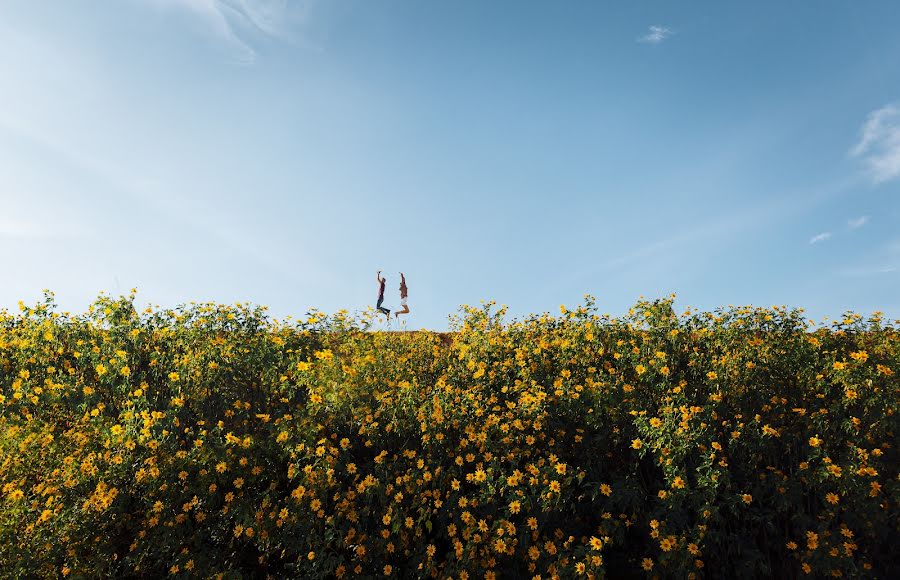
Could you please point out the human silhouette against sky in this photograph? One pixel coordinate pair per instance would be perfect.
(403, 294)
(381, 283)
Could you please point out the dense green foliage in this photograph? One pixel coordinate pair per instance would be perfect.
(210, 441)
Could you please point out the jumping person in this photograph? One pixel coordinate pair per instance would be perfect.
(403, 293)
(381, 283)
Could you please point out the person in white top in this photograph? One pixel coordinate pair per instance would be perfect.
(403, 294)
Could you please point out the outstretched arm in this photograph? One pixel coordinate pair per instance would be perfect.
(378, 275)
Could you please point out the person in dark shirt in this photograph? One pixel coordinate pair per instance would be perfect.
(403, 294)
(381, 283)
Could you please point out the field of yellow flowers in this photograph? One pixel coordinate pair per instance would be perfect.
(210, 441)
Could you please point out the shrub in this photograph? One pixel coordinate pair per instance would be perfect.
(211, 441)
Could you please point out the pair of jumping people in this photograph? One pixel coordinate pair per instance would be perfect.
(386, 311)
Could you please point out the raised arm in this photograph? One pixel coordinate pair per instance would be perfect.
(378, 276)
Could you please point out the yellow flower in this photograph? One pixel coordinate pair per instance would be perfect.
(655, 422)
(711, 375)
(561, 468)
(596, 543)
(875, 488)
(637, 444)
(838, 366)
(640, 369)
(832, 498)
(605, 489)
(647, 564)
(747, 498)
(173, 376)
(678, 483)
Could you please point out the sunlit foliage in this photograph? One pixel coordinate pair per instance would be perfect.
(211, 441)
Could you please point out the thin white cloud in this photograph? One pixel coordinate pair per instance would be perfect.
(13, 226)
(19, 229)
(863, 271)
(819, 237)
(655, 35)
(858, 222)
(236, 22)
(266, 15)
(879, 144)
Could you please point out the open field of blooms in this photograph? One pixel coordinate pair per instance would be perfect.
(209, 441)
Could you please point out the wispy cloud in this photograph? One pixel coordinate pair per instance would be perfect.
(655, 35)
(879, 144)
(18, 229)
(48, 228)
(863, 271)
(236, 21)
(819, 237)
(858, 222)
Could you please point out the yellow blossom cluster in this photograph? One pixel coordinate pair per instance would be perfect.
(211, 441)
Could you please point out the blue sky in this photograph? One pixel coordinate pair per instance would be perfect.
(280, 152)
